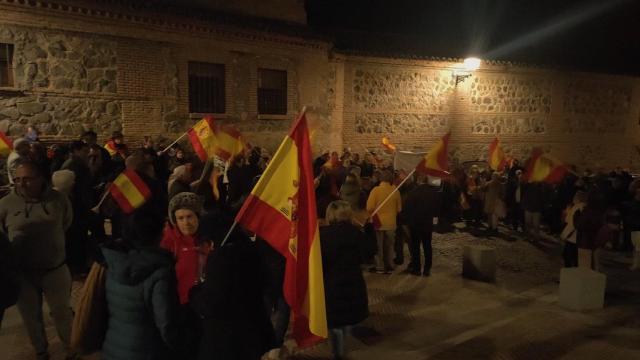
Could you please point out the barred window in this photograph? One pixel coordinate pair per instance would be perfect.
(6, 65)
(272, 92)
(206, 88)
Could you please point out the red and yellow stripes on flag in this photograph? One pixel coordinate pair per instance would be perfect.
(386, 143)
(436, 161)
(281, 209)
(497, 159)
(6, 145)
(209, 139)
(111, 147)
(544, 168)
(129, 191)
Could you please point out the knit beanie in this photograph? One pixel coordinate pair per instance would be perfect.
(184, 200)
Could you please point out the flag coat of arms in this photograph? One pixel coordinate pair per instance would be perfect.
(129, 191)
(436, 161)
(209, 140)
(281, 209)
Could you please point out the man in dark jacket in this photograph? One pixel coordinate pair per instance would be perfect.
(230, 301)
(141, 294)
(9, 277)
(422, 205)
(81, 198)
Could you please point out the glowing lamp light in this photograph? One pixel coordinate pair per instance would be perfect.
(469, 65)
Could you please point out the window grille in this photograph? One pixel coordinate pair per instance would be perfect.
(6, 65)
(206, 88)
(272, 92)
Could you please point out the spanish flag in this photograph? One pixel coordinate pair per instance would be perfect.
(497, 160)
(111, 147)
(129, 191)
(209, 139)
(282, 210)
(388, 145)
(436, 161)
(542, 167)
(6, 145)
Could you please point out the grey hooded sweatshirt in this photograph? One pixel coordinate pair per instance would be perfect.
(36, 229)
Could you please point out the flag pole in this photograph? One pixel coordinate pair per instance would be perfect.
(96, 208)
(173, 143)
(394, 190)
(226, 237)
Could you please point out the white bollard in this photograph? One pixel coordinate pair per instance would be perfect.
(581, 289)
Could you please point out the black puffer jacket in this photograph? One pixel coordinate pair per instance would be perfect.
(142, 301)
(235, 324)
(344, 287)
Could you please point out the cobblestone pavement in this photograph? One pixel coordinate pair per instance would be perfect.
(445, 316)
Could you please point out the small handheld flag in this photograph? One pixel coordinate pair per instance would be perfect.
(129, 191)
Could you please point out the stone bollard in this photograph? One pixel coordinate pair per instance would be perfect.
(479, 263)
(581, 289)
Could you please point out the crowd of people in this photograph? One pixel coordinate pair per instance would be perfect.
(173, 290)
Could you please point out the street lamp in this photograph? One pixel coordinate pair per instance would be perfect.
(469, 65)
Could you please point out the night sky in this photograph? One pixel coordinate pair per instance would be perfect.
(601, 36)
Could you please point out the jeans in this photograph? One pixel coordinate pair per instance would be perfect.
(385, 255)
(336, 337)
(421, 234)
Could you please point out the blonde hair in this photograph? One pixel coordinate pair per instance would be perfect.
(338, 211)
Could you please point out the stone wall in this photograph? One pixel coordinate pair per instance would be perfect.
(65, 83)
(590, 120)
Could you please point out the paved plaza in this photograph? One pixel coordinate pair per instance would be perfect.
(445, 316)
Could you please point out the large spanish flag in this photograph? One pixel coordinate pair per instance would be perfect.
(497, 160)
(282, 210)
(210, 139)
(436, 161)
(6, 145)
(542, 167)
(129, 191)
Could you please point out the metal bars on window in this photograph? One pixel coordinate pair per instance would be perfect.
(206, 88)
(272, 92)
(6, 65)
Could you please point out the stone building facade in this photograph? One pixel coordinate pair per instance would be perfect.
(104, 65)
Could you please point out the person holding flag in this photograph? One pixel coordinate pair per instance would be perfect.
(384, 204)
(281, 209)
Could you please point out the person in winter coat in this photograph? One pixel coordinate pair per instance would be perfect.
(344, 287)
(181, 238)
(422, 204)
(588, 224)
(190, 251)
(350, 191)
(35, 219)
(141, 294)
(533, 203)
(230, 300)
(9, 276)
(569, 233)
(631, 213)
(494, 206)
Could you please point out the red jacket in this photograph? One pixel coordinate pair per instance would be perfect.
(190, 259)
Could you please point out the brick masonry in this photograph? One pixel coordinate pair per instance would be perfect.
(110, 70)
